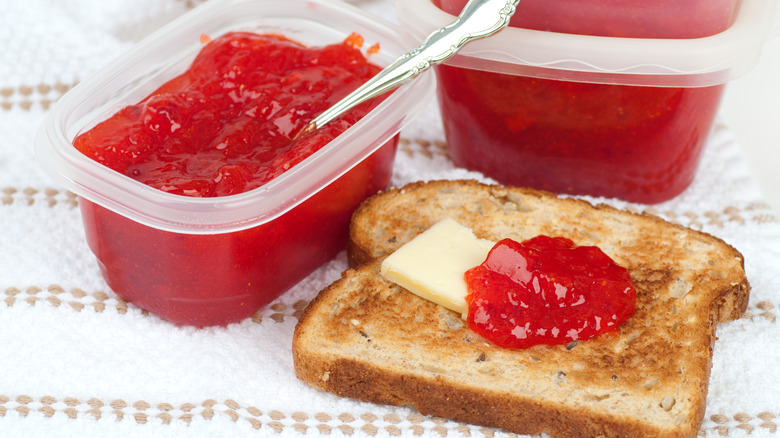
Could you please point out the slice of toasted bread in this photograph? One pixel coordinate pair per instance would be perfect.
(370, 339)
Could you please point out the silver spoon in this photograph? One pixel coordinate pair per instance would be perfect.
(479, 19)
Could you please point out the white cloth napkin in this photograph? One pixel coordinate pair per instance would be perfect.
(77, 361)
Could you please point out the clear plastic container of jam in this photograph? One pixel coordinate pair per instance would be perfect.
(612, 98)
(215, 260)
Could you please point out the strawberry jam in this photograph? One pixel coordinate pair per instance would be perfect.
(547, 290)
(221, 128)
(638, 143)
(224, 126)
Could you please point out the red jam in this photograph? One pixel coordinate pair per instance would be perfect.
(640, 144)
(224, 126)
(547, 290)
(220, 128)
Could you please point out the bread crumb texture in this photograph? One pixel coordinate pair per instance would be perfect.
(612, 374)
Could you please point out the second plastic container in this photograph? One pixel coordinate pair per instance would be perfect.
(608, 98)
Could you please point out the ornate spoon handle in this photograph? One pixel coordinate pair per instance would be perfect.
(479, 19)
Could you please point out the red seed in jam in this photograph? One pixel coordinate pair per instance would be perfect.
(547, 290)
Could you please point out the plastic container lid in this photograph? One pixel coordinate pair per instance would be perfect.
(693, 62)
(168, 52)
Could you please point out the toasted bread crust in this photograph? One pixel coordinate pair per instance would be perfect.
(367, 338)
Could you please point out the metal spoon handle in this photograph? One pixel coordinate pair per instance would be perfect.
(479, 18)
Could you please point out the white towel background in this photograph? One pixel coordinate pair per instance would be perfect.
(75, 361)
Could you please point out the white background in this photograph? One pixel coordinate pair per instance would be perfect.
(751, 109)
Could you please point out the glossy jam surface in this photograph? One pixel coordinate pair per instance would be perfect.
(225, 125)
(547, 290)
(220, 128)
(640, 144)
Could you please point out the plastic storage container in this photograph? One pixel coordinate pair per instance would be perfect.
(610, 98)
(212, 261)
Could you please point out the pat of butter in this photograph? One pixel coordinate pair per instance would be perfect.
(432, 264)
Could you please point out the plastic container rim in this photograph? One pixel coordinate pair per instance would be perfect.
(182, 214)
(695, 62)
